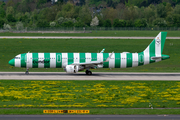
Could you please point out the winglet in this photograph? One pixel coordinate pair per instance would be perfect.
(107, 60)
(102, 51)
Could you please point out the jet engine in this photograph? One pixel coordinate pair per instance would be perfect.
(71, 68)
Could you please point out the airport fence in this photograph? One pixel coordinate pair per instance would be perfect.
(88, 29)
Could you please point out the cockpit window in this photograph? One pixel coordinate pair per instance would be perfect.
(17, 58)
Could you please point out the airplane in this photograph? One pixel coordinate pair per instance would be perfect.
(74, 62)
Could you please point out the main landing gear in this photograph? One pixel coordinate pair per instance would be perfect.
(88, 72)
(27, 71)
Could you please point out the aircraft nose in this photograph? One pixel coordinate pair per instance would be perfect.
(11, 62)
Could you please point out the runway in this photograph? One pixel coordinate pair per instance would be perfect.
(94, 76)
(90, 117)
(57, 37)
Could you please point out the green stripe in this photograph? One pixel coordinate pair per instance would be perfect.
(58, 60)
(152, 51)
(82, 57)
(46, 60)
(93, 56)
(129, 59)
(105, 64)
(23, 57)
(35, 60)
(70, 58)
(117, 60)
(163, 39)
(140, 58)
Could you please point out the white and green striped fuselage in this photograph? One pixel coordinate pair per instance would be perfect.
(74, 62)
(61, 60)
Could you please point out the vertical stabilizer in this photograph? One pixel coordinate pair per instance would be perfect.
(155, 48)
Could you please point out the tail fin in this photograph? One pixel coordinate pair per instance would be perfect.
(155, 48)
(157, 45)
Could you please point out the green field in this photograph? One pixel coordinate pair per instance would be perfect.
(89, 94)
(100, 33)
(9, 48)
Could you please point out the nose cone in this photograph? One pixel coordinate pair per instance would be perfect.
(11, 62)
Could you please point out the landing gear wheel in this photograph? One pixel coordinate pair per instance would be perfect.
(27, 71)
(88, 72)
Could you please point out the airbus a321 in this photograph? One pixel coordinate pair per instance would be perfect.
(74, 62)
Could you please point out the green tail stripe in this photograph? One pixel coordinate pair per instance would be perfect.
(35, 60)
(163, 39)
(46, 60)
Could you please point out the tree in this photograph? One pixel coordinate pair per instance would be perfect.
(10, 18)
(67, 11)
(176, 20)
(2, 12)
(52, 24)
(60, 20)
(85, 15)
(110, 14)
(1, 23)
(94, 22)
(107, 23)
(160, 22)
(19, 25)
(10, 10)
(161, 11)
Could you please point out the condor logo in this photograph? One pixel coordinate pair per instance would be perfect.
(42, 62)
(158, 41)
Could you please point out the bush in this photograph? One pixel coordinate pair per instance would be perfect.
(116, 23)
(107, 23)
(7, 27)
(122, 23)
(10, 18)
(19, 25)
(42, 23)
(140, 23)
(68, 24)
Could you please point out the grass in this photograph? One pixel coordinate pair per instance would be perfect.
(118, 33)
(96, 111)
(9, 48)
(89, 94)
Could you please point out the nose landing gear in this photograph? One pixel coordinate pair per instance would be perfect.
(27, 71)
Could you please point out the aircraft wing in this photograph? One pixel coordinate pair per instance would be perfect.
(94, 62)
(88, 63)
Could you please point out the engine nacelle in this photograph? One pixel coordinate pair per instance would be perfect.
(71, 69)
(100, 66)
